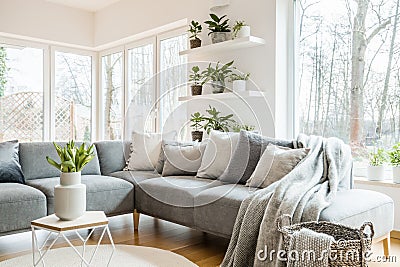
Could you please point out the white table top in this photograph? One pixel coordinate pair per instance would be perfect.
(89, 219)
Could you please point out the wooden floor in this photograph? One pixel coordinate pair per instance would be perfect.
(202, 249)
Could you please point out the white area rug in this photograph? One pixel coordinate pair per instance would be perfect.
(124, 256)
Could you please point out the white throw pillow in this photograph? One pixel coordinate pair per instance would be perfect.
(218, 154)
(145, 150)
(275, 163)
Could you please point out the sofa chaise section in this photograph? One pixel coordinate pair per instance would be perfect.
(19, 205)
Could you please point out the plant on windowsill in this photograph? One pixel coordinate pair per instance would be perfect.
(376, 168)
(216, 122)
(196, 119)
(70, 194)
(195, 29)
(219, 29)
(197, 80)
(217, 75)
(240, 29)
(394, 156)
(239, 81)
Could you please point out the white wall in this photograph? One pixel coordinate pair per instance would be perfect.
(44, 20)
(131, 17)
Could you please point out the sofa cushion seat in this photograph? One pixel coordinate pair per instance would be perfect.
(19, 205)
(171, 198)
(135, 177)
(356, 206)
(109, 194)
(223, 201)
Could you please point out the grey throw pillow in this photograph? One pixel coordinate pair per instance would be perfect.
(182, 160)
(246, 156)
(161, 158)
(10, 168)
(275, 163)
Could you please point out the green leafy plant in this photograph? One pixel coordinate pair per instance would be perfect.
(196, 119)
(238, 25)
(195, 29)
(216, 122)
(394, 155)
(218, 24)
(196, 77)
(73, 158)
(238, 127)
(218, 73)
(378, 158)
(239, 77)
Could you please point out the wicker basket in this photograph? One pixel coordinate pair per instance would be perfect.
(348, 241)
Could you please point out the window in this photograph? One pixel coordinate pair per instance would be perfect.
(73, 97)
(21, 93)
(113, 94)
(141, 61)
(349, 71)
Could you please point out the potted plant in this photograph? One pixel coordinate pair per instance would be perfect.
(195, 29)
(196, 119)
(394, 156)
(218, 75)
(219, 28)
(376, 169)
(70, 194)
(240, 29)
(197, 80)
(217, 122)
(239, 81)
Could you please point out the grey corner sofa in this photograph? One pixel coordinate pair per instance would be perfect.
(207, 205)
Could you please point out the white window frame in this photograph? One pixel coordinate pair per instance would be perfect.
(93, 55)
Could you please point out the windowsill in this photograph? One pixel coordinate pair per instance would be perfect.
(388, 182)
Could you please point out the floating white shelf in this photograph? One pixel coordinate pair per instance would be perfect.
(245, 42)
(230, 95)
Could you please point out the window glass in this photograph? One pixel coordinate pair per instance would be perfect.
(21, 93)
(349, 71)
(73, 97)
(112, 89)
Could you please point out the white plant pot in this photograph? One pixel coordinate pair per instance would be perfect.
(396, 175)
(376, 173)
(219, 37)
(239, 86)
(244, 32)
(70, 197)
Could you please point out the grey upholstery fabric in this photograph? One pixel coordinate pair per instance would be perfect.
(171, 198)
(32, 157)
(111, 156)
(223, 201)
(19, 205)
(135, 177)
(109, 194)
(10, 169)
(354, 207)
(246, 156)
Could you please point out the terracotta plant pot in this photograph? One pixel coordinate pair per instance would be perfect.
(196, 89)
(194, 43)
(218, 37)
(197, 135)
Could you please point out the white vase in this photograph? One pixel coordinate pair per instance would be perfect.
(396, 175)
(376, 173)
(239, 85)
(70, 197)
(244, 32)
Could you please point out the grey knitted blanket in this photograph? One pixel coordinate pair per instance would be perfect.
(303, 194)
(309, 249)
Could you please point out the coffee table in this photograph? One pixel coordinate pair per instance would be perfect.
(91, 220)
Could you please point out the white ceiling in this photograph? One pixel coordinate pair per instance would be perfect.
(89, 5)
